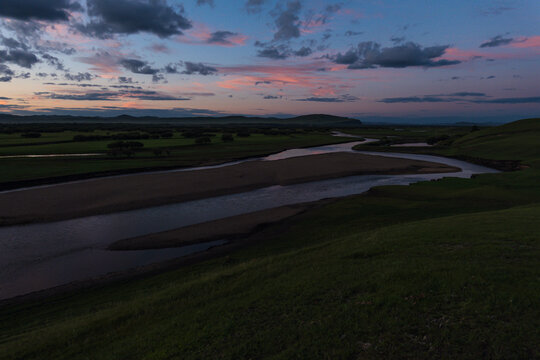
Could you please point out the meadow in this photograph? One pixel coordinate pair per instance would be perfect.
(441, 269)
(161, 149)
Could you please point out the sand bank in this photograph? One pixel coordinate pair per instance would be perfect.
(106, 195)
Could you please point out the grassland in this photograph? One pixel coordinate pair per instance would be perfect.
(176, 151)
(444, 269)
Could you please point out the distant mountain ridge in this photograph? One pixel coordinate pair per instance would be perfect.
(311, 120)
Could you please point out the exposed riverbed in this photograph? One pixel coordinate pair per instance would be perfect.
(39, 256)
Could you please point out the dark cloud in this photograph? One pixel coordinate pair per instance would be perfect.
(125, 80)
(27, 31)
(133, 16)
(198, 68)
(29, 36)
(332, 8)
(11, 106)
(265, 82)
(206, 2)
(497, 10)
(254, 6)
(199, 94)
(159, 78)
(87, 85)
(272, 97)
(126, 87)
(5, 70)
(287, 21)
(171, 69)
(221, 37)
(11, 43)
(322, 17)
(112, 96)
(304, 51)
(25, 75)
(277, 52)
(466, 93)
(353, 33)
(48, 45)
(91, 96)
(368, 55)
(47, 10)
(496, 41)
(462, 97)
(327, 35)
(42, 74)
(22, 58)
(397, 39)
(339, 99)
(110, 111)
(149, 95)
(79, 77)
(414, 99)
(138, 66)
(453, 97)
(54, 61)
(520, 100)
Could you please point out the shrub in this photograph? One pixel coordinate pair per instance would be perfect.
(243, 133)
(436, 139)
(125, 145)
(203, 140)
(31, 135)
(227, 137)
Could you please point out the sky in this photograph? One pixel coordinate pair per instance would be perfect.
(416, 59)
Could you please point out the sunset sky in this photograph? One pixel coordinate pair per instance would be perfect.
(468, 60)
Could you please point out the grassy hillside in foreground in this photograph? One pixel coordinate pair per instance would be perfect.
(443, 269)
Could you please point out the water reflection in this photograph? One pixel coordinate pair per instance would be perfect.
(38, 256)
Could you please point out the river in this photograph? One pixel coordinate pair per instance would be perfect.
(39, 256)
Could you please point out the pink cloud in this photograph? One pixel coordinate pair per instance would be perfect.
(466, 55)
(524, 43)
(103, 62)
(303, 76)
(201, 35)
(160, 48)
(355, 14)
(311, 25)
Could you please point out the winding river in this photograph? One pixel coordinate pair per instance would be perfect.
(40, 256)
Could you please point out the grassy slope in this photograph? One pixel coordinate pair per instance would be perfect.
(519, 140)
(445, 269)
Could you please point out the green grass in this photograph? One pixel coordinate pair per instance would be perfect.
(444, 269)
(515, 141)
(408, 133)
(183, 153)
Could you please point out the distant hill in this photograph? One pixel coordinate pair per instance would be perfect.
(313, 120)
